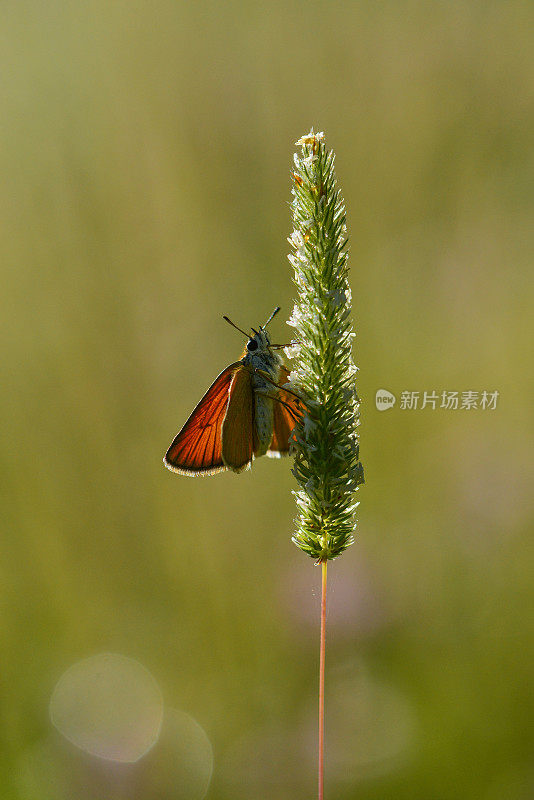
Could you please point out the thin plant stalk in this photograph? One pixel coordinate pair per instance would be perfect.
(322, 656)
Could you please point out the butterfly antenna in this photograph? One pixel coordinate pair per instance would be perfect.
(229, 321)
(275, 312)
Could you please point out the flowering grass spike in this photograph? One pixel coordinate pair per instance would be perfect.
(327, 465)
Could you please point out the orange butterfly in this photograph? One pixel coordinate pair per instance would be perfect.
(246, 413)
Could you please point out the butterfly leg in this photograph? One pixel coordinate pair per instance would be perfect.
(279, 400)
(268, 378)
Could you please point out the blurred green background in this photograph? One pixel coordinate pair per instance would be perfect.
(145, 153)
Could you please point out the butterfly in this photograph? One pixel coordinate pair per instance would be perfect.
(246, 413)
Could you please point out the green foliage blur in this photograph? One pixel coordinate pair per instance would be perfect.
(145, 153)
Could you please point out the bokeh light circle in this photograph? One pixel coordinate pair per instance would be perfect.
(181, 765)
(108, 705)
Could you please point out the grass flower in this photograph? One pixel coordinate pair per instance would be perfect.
(327, 465)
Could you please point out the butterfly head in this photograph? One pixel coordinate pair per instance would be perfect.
(259, 353)
(258, 343)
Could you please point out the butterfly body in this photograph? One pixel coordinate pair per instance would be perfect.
(246, 413)
(259, 362)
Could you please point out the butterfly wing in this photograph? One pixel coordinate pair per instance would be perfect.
(286, 415)
(197, 448)
(238, 423)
